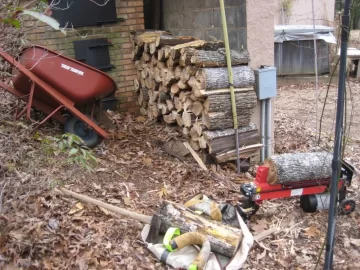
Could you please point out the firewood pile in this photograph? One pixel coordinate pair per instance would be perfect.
(184, 81)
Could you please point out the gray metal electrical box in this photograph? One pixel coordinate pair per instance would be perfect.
(265, 82)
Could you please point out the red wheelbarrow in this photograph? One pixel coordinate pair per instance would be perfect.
(56, 85)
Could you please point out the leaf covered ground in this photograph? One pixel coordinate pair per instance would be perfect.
(42, 229)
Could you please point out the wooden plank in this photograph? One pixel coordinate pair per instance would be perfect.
(196, 156)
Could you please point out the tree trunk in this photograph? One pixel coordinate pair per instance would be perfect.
(224, 140)
(217, 58)
(217, 78)
(295, 167)
(222, 103)
(221, 120)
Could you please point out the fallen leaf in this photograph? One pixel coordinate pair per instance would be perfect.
(163, 192)
(96, 186)
(127, 201)
(261, 255)
(108, 245)
(260, 226)
(147, 161)
(114, 201)
(312, 231)
(105, 211)
(101, 170)
(76, 208)
(140, 119)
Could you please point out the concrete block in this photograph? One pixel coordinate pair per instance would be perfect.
(237, 37)
(173, 6)
(235, 17)
(193, 5)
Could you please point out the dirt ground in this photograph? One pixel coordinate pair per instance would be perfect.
(41, 229)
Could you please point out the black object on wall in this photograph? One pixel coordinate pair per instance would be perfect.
(94, 52)
(79, 13)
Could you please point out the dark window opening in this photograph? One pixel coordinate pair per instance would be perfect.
(94, 52)
(152, 14)
(77, 13)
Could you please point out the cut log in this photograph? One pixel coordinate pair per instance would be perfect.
(163, 88)
(163, 108)
(245, 100)
(182, 85)
(184, 95)
(174, 114)
(179, 120)
(177, 72)
(186, 54)
(170, 62)
(188, 105)
(154, 60)
(143, 111)
(136, 85)
(148, 36)
(223, 239)
(170, 104)
(221, 120)
(168, 119)
(175, 88)
(186, 131)
(152, 47)
(188, 118)
(193, 134)
(194, 145)
(223, 140)
(202, 142)
(178, 104)
(162, 40)
(146, 56)
(143, 97)
(217, 58)
(245, 152)
(198, 127)
(294, 167)
(187, 73)
(197, 108)
(217, 78)
(163, 96)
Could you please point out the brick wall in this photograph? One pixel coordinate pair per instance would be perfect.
(202, 19)
(124, 72)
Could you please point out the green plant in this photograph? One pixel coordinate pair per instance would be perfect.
(76, 151)
(70, 145)
(286, 9)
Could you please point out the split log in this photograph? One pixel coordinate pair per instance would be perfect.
(136, 85)
(198, 127)
(146, 56)
(294, 167)
(163, 96)
(193, 134)
(163, 108)
(143, 111)
(197, 108)
(186, 54)
(162, 40)
(152, 47)
(170, 104)
(143, 97)
(217, 58)
(188, 118)
(186, 131)
(202, 142)
(175, 88)
(223, 140)
(182, 85)
(177, 72)
(178, 104)
(188, 105)
(168, 119)
(184, 95)
(172, 62)
(217, 78)
(194, 145)
(179, 120)
(245, 152)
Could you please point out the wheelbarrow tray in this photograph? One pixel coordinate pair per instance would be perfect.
(77, 81)
(59, 98)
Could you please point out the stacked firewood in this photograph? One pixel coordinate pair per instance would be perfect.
(185, 82)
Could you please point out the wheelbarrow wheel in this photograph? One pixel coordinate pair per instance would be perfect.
(75, 126)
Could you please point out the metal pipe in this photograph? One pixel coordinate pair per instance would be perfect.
(330, 235)
(262, 129)
(268, 127)
(231, 82)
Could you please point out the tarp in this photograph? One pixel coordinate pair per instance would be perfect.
(303, 32)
